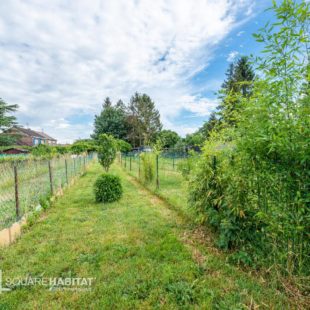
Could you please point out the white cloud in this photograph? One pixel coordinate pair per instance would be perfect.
(240, 33)
(59, 59)
(232, 56)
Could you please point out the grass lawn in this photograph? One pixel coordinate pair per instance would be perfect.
(141, 252)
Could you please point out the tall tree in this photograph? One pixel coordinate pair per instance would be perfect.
(120, 105)
(107, 103)
(111, 121)
(243, 76)
(239, 83)
(6, 121)
(143, 119)
(209, 126)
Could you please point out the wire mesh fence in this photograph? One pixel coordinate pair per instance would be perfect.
(25, 183)
(163, 173)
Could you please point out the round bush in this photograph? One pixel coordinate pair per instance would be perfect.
(108, 188)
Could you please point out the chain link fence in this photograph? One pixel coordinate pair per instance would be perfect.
(24, 184)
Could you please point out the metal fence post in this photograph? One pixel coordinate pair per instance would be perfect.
(66, 165)
(125, 160)
(173, 162)
(157, 175)
(51, 177)
(16, 192)
(130, 163)
(139, 165)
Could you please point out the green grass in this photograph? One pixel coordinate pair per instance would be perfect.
(172, 185)
(140, 251)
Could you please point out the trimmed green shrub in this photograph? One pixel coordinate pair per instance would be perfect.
(108, 188)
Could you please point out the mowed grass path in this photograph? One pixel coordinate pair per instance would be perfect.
(141, 253)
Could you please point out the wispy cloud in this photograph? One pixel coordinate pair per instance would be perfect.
(232, 56)
(240, 33)
(61, 58)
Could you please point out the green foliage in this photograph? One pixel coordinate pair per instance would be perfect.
(148, 167)
(111, 120)
(168, 138)
(106, 150)
(138, 122)
(238, 84)
(211, 124)
(108, 188)
(43, 150)
(143, 120)
(194, 139)
(62, 149)
(82, 146)
(255, 195)
(6, 121)
(123, 146)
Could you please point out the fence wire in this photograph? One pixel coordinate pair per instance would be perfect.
(24, 184)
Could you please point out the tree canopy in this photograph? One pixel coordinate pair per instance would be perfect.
(111, 121)
(6, 121)
(143, 119)
(137, 123)
(168, 138)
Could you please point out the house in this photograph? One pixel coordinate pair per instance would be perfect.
(29, 137)
(14, 151)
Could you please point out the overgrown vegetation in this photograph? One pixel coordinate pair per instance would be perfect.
(252, 182)
(147, 167)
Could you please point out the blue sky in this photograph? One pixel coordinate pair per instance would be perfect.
(60, 59)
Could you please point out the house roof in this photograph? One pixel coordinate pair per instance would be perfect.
(33, 133)
(46, 135)
(15, 148)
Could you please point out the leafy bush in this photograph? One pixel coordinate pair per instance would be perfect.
(106, 150)
(123, 146)
(108, 188)
(148, 167)
(43, 150)
(82, 146)
(63, 149)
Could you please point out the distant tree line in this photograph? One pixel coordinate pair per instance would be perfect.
(137, 123)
